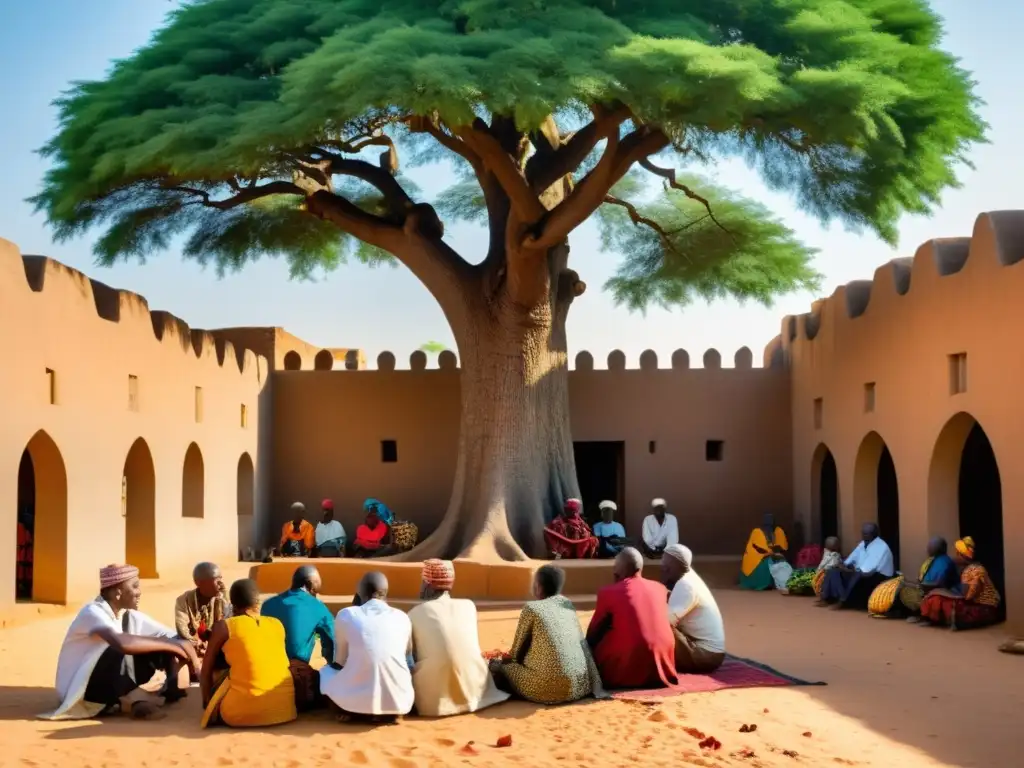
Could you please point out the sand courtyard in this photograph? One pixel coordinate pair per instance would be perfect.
(896, 695)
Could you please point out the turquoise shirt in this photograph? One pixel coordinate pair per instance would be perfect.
(305, 618)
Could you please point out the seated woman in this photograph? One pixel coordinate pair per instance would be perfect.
(568, 535)
(899, 596)
(246, 680)
(766, 547)
(807, 581)
(549, 662)
(373, 537)
(973, 603)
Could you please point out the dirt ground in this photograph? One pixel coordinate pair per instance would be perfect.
(896, 695)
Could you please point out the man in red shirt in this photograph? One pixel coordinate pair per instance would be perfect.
(629, 636)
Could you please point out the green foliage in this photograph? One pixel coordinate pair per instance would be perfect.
(433, 347)
(850, 105)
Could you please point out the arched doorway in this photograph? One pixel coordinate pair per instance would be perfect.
(292, 361)
(138, 507)
(324, 360)
(825, 493)
(193, 482)
(245, 494)
(876, 497)
(42, 537)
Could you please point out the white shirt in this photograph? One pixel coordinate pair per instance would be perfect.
(82, 647)
(372, 642)
(328, 532)
(659, 536)
(876, 556)
(692, 608)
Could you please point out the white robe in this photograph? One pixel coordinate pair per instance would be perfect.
(372, 643)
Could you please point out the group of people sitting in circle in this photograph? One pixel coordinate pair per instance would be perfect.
(569, 536)
(252, 661)
(947, 591)
(380, 533)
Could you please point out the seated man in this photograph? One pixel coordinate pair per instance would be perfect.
(900, 597)
(549, 661)
(449, 675)
(329, 538)
(256, 688)
(111, 650)
(568, 535)
(370, 675)
(305, 618)
(632, 643)
(659, 530)
(196, 611)
(850, 585)
(611, 536)
(692, 613)
(373, 537)
(297, 535)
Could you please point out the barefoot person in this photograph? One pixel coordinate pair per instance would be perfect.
(449, 675)
(112, 649)
(256, 689)
(871, 563)
(692, 613)
(196, 611)
(370, 675)
(900, 597)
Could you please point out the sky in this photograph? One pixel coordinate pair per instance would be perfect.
(47, 44)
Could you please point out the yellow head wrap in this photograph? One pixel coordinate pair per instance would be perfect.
(965, 547)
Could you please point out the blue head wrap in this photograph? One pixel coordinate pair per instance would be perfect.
(383, 513)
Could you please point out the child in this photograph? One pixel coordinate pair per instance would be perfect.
(808, 581)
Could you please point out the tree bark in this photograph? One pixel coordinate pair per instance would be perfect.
(515, 463)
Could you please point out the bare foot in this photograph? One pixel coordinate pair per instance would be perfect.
(145, 710)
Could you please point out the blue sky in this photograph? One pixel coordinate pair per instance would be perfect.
(45, 44)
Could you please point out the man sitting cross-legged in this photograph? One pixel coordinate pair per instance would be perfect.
(449, 674)
(850, 585)
(370, 676)
(692, 613)
(112, 649)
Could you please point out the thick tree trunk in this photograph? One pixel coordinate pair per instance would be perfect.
(515, 463)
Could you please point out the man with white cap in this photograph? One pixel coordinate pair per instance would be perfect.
(112, 649)
(660, 530)
(611, 536)
(692, 613)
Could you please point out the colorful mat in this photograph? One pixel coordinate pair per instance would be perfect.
(734, 673)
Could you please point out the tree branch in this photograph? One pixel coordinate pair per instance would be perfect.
(669, 175)
(639, 219)
(505, 169)
(247, 195)
(545, 168)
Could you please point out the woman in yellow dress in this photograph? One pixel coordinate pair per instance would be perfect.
(766, 546)
(246, 680)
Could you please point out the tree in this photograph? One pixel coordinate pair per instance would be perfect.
(433, 347)
(246, 127)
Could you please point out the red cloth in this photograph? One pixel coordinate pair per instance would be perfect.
(638, 649)
(569, 536)
(946, 611)
(809, 556)
(370, 538)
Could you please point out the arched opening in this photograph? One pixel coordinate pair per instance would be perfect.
(825, 493)
(245, 494)
(42, 536)
(193, 482)
(138, 507)
(292, 361)
(876, 491)
(324, 360)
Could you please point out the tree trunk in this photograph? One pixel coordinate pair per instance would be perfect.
(515, 462)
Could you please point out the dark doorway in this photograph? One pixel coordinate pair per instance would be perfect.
(829, 501)
(980, 499)
(26, 526)
(888, 500)
(600, 469)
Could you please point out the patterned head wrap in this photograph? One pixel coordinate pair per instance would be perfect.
(965, 547)
(573, 506)
(113, 575)
(381, 509)
(439, 574)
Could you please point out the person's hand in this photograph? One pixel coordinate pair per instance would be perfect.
(189, 656)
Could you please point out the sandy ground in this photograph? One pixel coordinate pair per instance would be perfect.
(896, 695)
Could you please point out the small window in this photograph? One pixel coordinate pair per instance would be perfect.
(958, 373)
(51, 386)
(244, 417)
(652, 446)
(819, 405)
(133, 392)
(869, 397)
(714, 450)
(388, 451)
(199, 405)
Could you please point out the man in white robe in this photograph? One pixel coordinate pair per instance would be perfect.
(370, 676)
(660, 530)
(450, 675)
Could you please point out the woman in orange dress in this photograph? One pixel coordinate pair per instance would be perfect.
(974, 603)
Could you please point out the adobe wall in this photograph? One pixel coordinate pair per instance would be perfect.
(897, 331)
(328, 428)
(93, 338)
